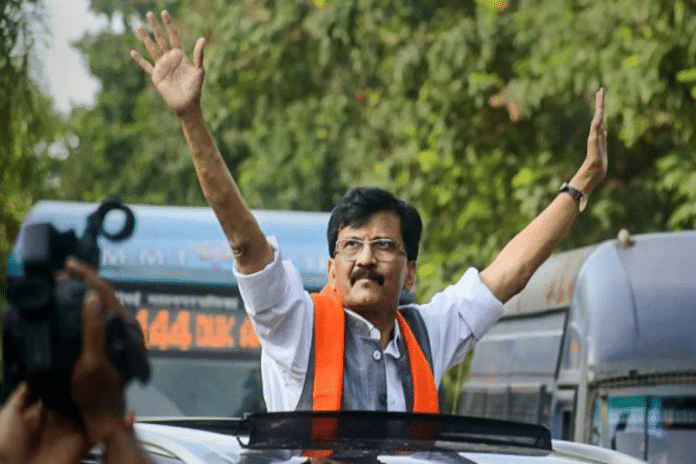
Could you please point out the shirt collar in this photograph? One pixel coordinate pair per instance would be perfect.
(392, 347)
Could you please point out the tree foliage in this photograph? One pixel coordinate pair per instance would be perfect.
(28, 125)
(473, 110)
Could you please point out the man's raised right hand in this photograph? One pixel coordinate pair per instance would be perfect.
(176, 78)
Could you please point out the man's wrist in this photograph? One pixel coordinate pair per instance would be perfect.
(586, 179)
(575, 194)
(191, 115)
(581, 181)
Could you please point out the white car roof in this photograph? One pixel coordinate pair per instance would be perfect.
(193, 446)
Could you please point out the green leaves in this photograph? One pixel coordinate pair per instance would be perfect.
(29, 127)
(475, 111)
(678, 180)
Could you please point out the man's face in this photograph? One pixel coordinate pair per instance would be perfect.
(366, 282)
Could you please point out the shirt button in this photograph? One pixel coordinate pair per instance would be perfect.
(377, 355)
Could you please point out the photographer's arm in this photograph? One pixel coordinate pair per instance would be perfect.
(97, 387)
(513, 267)
(179, 82)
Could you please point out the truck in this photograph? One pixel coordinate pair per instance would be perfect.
(600, 347)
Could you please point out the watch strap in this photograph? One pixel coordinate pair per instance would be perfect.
(576, 194)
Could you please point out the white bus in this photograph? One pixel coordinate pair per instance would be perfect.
(174, 276)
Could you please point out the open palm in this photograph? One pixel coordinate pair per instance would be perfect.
(177, 79)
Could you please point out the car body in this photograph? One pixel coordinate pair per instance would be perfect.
(390, 438)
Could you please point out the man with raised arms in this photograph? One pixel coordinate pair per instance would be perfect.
(352, 346)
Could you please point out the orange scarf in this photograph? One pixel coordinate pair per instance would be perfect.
(329, 346)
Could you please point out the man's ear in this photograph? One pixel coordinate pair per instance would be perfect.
(331, 272)
(410, 282)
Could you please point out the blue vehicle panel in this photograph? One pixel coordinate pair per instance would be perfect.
(185, 244)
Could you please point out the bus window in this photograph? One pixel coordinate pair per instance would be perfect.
(671, 429)
(658, 428)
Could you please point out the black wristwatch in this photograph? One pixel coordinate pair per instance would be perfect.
(577, 195)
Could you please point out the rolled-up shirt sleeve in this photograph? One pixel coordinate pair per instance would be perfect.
(457, 317)
(266, 289)
(281, 311)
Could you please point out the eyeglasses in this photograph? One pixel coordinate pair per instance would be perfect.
(383, 249)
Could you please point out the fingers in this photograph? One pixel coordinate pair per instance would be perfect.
(599, 99)
(171, 31)
(93, 326)
(138, 58)
(598, 119)
(597, 139)
(34, 415)
(152, 48)
(106, 294)
(198, 53)
(18, 403)
(159, 37)
(159, 47)
(19, 397)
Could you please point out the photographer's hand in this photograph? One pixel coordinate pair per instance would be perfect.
(97, 387)
(32, 434)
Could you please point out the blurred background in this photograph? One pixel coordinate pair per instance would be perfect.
(474, 110)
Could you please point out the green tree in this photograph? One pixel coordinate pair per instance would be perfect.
(473, 110)
(121, 150)
(128, 142)
(29, 125)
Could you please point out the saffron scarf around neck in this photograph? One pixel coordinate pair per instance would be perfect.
(329, 352)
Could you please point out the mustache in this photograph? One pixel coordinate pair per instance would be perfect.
(366, 273)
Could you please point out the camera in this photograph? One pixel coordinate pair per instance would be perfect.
(42, 326)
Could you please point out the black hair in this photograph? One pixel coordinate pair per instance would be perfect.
(358, 204)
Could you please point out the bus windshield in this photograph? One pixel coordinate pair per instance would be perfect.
(204, 353)
(199, 387)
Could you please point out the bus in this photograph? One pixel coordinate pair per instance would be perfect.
(600, 347)
(174, 276)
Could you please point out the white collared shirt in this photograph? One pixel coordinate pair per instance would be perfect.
(282, 312)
